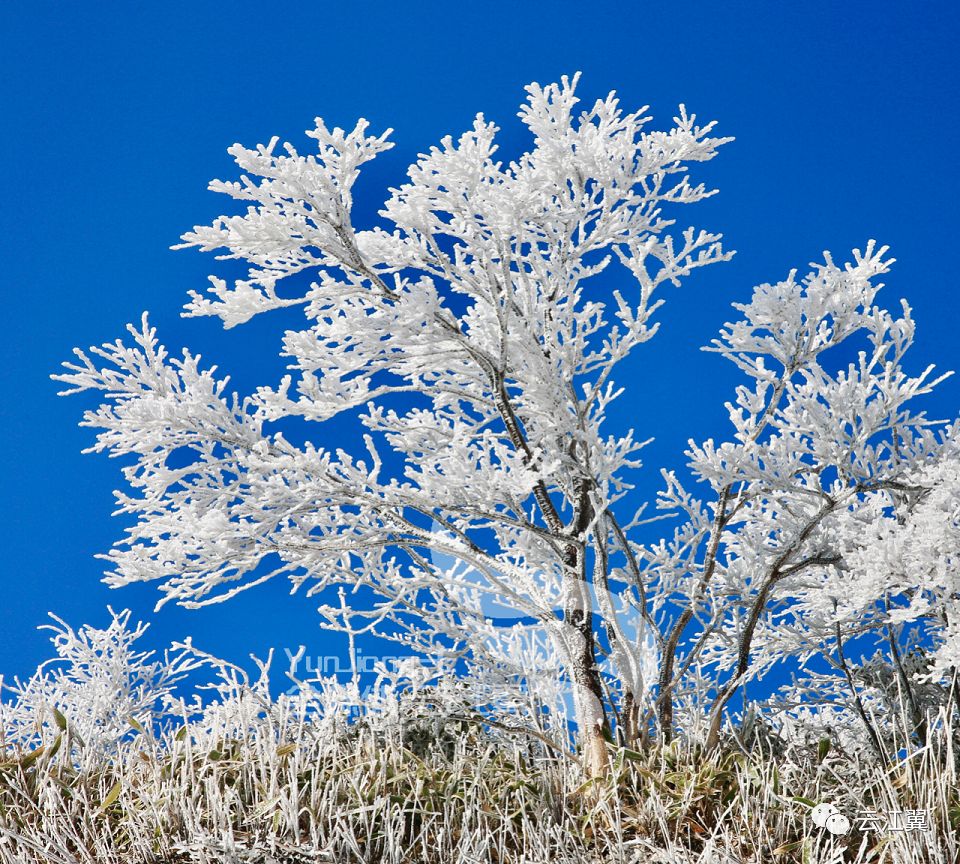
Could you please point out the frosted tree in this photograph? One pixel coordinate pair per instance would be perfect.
(833, 512)
(477, 300)
(472, 336)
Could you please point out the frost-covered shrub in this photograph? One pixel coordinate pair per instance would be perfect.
(98, 690)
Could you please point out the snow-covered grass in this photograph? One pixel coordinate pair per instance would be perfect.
(100, 761)
(290, 790)
(379, 798)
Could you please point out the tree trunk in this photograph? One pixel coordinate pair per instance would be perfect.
(592, 725)
(593, 728)
(596, 757)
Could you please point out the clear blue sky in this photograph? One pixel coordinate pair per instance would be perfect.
(115, 116)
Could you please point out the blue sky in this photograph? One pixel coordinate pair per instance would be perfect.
(115, 116)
